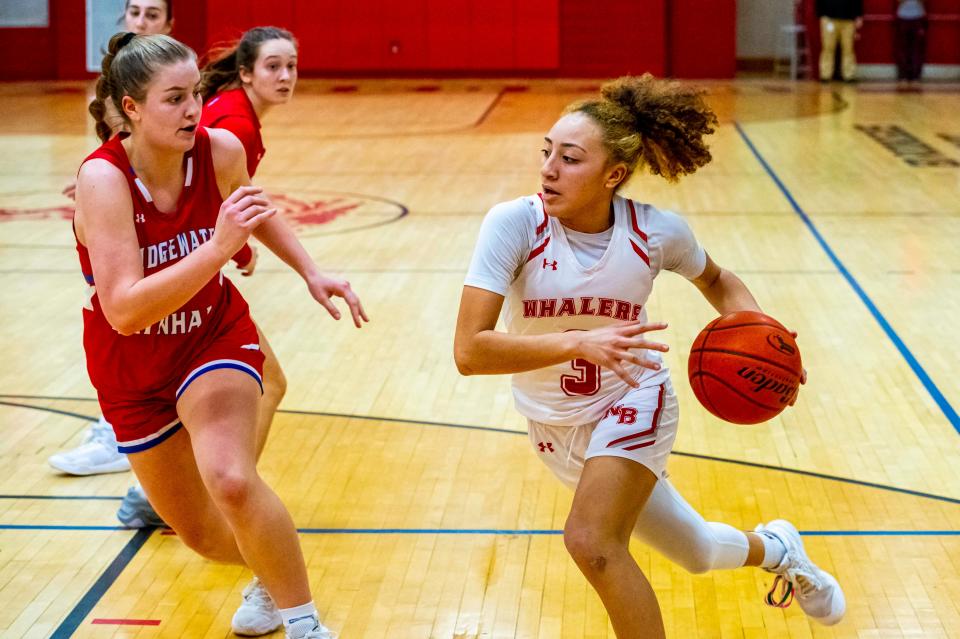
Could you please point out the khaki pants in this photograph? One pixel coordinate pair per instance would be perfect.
(831, 30)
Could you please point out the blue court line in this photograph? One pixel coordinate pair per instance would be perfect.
(748, 464)
(493, 531)
(102, 584)
(918, 370)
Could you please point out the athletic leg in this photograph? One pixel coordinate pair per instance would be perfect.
(274, 388)
(611, 492)
(219, 410)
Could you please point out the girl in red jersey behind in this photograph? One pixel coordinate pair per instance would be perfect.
(170, 345)
(573, 269)
(241, 83)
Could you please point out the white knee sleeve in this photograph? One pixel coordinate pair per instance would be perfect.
(672, 527)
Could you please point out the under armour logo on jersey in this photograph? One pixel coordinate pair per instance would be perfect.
(140, 218)
(546, 447)
(552, 264)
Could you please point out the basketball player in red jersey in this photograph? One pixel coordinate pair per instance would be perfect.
(98, 453)
(170, 345)
(242, 83)
(575, 267)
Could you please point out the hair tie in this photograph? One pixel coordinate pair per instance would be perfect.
(125, 40)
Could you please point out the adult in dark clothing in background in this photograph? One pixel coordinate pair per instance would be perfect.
(911, 43)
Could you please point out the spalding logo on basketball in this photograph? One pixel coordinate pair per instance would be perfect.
(745, 367)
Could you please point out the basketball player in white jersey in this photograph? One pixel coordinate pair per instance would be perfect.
(572, 269)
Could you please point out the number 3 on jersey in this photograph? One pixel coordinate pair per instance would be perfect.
(585, 382)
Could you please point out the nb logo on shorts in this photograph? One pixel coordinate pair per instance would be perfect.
(625, 414)
(546, 447)
(552, 264)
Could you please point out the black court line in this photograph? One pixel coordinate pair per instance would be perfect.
(116, 567)
(71, 271)
(101, 585)
(48, 410)
(490, 429)
(945, 407)
(493, 531)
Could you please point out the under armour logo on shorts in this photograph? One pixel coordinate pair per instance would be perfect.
(546, 447)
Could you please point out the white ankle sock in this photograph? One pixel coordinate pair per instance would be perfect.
(291, 616)
(773, 550)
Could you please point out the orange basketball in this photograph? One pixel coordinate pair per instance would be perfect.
(745, 367)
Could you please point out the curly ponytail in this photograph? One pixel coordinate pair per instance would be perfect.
(127, 69)
(224, 63)
(657, 122)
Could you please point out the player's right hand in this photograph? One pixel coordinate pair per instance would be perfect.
(611, 346)
(240, 214)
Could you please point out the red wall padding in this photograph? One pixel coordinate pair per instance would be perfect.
(27, 54)
(703, 38)
(542, 37)
(385, 35)
(612, 37)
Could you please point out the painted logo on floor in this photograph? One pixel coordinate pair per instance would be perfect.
(317, 213)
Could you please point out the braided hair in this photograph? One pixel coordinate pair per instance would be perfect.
(128, 66)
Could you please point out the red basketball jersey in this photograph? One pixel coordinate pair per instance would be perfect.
(232, 110)
(155, 357)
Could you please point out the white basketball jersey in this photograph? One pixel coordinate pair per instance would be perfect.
(548, 290)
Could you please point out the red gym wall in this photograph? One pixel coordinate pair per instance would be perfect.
(876, 42)
(683, 38)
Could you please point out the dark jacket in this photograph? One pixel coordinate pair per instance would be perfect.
(840, 9)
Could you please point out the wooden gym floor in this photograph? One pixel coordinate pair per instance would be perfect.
(422, 511)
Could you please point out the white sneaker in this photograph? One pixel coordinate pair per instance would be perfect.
(135, 510)
(818, 592)
(96, 455)
(309, 628)
(257, 615)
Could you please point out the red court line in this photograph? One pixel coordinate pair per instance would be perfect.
(126, 622)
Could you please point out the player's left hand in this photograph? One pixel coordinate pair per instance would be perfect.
(323, 288)
(803, 375)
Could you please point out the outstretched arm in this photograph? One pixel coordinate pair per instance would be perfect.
(230, 163)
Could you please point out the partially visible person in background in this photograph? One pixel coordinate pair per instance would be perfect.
(911, 43)
(839, 20)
